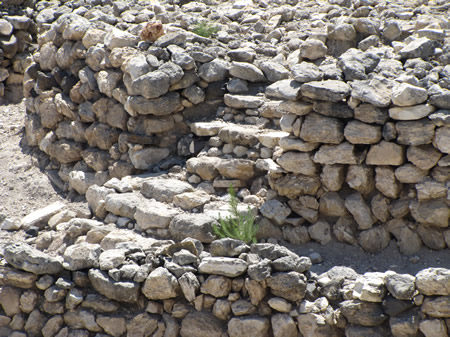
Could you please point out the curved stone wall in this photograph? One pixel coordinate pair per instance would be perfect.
(329, 140)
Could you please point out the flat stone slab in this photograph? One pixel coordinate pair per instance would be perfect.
(41, 216)
(207, 128)
(24, 257)
(225, 266)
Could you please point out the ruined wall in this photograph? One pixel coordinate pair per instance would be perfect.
(332, 141)
(117, 284)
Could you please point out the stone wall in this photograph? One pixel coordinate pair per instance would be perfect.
(334, 131)
(114, 283)
(343, 134)
(17, 33)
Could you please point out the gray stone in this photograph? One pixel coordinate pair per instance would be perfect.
(415, 132)
(164, 190)
(328, 90)
(374, 239)
(360, 178)
(405, 324)
(292, 185)
(273, 71)
(405, 95)
(24, 257)
(401, 286)
(242, 169)
(432, 212)
(243, 102)
(189, 285)
(385, 153)
(123, 291)
(357, 206)
(214, 71)
(247, 71)
(161, 106)
(369, 113)
(332, 109)
(226, 266)
(320, 129)
(306, 72)
(205, 167)
(284, 89)
(290, 286)
(423, 156)
(320, 232)
(117, 38)
(250, 326)
(433, 328)
(297, 162)
(331, 204)
(436, 306)
(357, 64)
(201, 324)
(239, 135)
(375, 91)
(410, 174)
(228, 247)
(151, 85)
(298, 108)
(192, 225)
(313, 49)
(160, 284)
(123, 204)
(217, 286)
(312, 324)
(431, 189)
(344, 153)
(360, 133)
(332, 176)
(386, 183)
(421, 47)
(81, 256)
(283, 325)
(442, 139)
(363, 313)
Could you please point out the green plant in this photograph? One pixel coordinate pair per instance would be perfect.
(205, 29)
(236, 225)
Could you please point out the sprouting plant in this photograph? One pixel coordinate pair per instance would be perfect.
(236, 225)
(205, 29)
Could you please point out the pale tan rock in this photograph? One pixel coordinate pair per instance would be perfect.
(332, 177)
(152, 31)
(297, 162)
(331, 204)
(250, 326)
(386, 183)
(374, 239)
(433, 328)
(410, 174)
(423, 156)
(385, 153)
(160, 284)
(360, 178)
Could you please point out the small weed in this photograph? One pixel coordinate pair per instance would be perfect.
(236, 225)
(205, 29)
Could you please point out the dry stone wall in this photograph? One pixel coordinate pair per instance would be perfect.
(342, 133)
(114, 283)
(330, 120)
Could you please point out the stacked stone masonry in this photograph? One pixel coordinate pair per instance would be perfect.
(114, 283)
(330, 120)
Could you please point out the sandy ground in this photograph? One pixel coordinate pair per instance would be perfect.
(25, 188)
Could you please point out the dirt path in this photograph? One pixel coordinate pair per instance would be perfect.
(23, 187)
